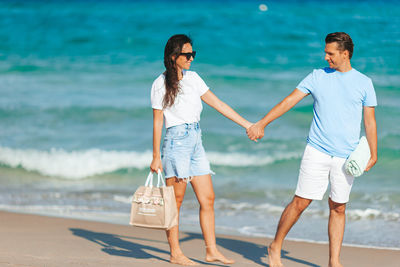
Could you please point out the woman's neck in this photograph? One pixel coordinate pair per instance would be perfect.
(180, 74)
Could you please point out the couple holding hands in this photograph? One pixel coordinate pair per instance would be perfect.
(341, 94)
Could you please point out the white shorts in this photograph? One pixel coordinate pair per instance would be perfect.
(317, 170)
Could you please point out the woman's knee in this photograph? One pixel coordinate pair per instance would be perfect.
(179, 196)
(179, 199)
(207, 202)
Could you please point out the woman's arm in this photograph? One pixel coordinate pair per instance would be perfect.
(158, 120)
(213, 101)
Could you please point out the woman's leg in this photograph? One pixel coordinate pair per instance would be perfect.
(203, 188)
(177, 255)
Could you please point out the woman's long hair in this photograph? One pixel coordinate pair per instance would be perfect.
(172, 49)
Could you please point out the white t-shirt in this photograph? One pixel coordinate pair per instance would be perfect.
(187, 106)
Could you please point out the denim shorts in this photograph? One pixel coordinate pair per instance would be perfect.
(182, 153)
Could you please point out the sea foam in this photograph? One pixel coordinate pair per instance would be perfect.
(85, 163)
(74, 164)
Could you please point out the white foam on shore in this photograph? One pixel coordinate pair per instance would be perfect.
(247, 160)
(74, 164)
(225, 204)
(359, 214)
(268, 209)
(85, 163)
(123, 199)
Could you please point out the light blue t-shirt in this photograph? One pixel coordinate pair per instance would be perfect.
(339, 98)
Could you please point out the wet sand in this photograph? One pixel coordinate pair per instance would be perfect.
(34, 240)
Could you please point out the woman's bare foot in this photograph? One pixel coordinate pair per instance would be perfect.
(214, 255)
(182, 260)
(335, 264)
(274, 256)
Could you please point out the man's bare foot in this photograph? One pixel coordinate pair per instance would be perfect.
(214, 255)
(182, 260)
(274, 256)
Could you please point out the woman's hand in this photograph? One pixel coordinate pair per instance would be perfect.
(248, 125)
(156, 165)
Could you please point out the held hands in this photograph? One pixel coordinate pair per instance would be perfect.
(156, 164)
(255, 131)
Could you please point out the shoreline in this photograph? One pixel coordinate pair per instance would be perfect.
(198, 231)
(37, 240)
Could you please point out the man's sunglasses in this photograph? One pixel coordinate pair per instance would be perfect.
(189, 55)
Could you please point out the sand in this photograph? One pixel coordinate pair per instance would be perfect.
(34, 240)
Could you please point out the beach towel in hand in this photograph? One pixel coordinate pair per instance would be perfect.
(358, 159)
(154, 207)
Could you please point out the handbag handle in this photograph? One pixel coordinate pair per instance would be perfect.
(149, 180)
(160, 179)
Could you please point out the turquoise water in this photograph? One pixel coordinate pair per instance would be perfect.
(76, 122)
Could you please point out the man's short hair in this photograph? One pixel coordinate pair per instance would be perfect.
(343, 40)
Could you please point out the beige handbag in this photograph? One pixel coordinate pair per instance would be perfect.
(154, 207)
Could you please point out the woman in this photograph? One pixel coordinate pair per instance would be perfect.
(176, 96)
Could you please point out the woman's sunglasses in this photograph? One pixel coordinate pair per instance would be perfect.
(189, 55)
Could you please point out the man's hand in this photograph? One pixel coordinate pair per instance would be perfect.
(371, 163)
(372, 136)
(256, 131)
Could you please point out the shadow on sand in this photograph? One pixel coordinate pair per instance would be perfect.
(118, 245)
(252, 252)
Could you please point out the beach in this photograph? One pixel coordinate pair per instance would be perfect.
(34, 240)
(76, 126)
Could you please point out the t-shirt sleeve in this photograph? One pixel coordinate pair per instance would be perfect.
(157, 95)
(370, 96)
(307, 85)
(201, 86)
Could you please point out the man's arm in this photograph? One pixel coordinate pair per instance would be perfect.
(372, 136)
(257, 130)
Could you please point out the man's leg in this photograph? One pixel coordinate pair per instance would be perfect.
(312, 184)
(289, 217)
(337, 220)
(341, 184)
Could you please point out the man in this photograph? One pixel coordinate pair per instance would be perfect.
(341, 94)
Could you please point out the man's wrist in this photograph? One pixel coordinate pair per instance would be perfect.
(263, 123)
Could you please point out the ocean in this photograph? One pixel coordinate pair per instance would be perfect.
(76, 120)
